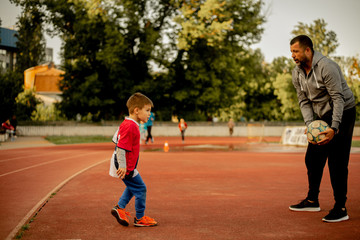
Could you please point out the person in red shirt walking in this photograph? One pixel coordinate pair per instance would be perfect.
(126, 160)
(182, 127)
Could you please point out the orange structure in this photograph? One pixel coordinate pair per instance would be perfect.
(45, 78)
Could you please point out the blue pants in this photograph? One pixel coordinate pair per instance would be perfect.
(134, 187)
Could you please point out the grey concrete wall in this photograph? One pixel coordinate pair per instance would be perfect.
(158, 130)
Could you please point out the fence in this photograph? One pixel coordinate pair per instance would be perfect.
(162, 129)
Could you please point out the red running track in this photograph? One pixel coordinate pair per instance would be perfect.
(213, 194)
(28, 175)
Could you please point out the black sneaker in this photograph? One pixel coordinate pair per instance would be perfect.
(306, 205)
(336, 215)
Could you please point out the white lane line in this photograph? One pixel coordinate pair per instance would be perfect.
(39, 155)
(42, 201)
(44, 163)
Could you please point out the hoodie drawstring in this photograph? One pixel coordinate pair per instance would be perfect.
(317, 83)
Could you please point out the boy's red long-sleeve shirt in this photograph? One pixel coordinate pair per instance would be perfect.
(130, 141)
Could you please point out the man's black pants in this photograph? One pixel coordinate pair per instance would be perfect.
(337, 151)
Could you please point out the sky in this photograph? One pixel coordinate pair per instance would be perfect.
(341, 16)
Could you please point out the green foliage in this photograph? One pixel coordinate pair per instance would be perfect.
(208, 71)
(203, 20)
(46, 113)
(30, 38)
(31, 51)
(260, 100)
(286, 93)
(280, 76)
(353, 80)
(10, 86)
(107, 47)
(192, 58)
(110, 49)
(26, 103)
(324, 41)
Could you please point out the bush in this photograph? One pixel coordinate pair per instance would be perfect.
(47, 113)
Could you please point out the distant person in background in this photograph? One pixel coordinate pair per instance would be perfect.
(14, 123)
(142, 131)
(9, 129)
(231, 126)
(182, 127)
(149, 125)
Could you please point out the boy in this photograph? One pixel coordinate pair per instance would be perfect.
(127, 155)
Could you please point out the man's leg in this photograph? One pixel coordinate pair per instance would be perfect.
(315, 160)
(340, 147)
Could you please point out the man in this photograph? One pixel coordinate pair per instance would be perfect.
(324, 94)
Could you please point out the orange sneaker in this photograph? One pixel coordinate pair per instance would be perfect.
(120, 215)
(145, 222)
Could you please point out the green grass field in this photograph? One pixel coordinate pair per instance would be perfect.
(77, 139)
(355, 143)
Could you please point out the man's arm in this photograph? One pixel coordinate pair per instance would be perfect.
(332, 80)
(304, 103)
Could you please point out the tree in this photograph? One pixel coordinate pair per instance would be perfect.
(280, 75)
(351, 69)
(260, 102)
(108, 47)
(354, 82)
(10, 86)
(26, 104)
(30, 38)
(31, 51)
(324, 41)
(285, 92)
(110, 50)
(213, 41)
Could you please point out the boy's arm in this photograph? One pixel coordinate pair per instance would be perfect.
(121, 158)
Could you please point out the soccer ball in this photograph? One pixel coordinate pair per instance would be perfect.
(314, 129)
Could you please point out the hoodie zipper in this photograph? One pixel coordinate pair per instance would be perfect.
(306, 83)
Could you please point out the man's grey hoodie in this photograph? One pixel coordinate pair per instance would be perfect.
(324, 89)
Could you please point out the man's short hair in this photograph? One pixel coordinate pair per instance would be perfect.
(304, 41)
(138, 100)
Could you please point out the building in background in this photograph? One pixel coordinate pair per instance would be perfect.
(45, 80)
(8, 50)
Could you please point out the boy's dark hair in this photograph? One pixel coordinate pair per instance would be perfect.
(138, 100)
(304, 41)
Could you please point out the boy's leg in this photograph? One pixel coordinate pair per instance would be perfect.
(119, 211)
(137, 188)
(125, 198)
